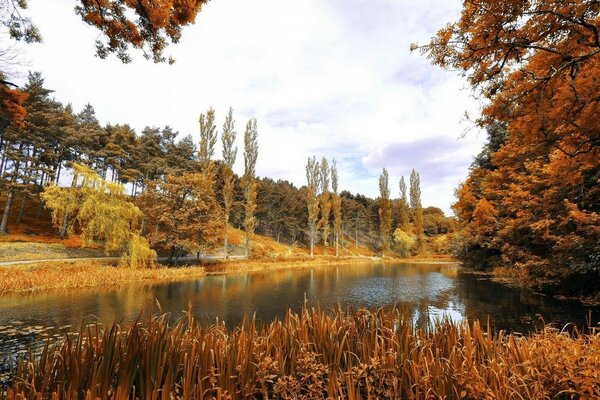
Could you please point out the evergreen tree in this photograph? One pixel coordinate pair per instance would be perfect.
(229, 155)
(312, 200)
(385, 211)
(416, 207)
(249, 180)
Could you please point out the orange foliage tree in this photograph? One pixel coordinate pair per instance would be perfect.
(533, 196)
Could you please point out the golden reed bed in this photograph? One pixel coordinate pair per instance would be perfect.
(312, 355)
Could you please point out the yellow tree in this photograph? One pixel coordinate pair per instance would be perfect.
(336, 202)
(249, 180)
(416, 208)
(312, 200)
(385, 211)
(229, 154)
(325, 203)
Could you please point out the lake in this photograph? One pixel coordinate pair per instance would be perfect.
(423, 290)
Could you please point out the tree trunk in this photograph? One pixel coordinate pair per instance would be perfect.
(21, 209)
(4, 223)
(337, 245)
(65, 224)
(38, 213)
(225, 241)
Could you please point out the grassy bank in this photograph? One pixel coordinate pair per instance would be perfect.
(312, 355)
(85, 274)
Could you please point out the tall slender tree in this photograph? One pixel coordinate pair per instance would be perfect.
(416, 207)
(403, 208)
(385, 211)
(229, 155)
(249, 180)
(208, 138)
(325, 203)
(336, 202)
(312, 200)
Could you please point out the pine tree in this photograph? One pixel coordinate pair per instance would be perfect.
(337, 207)
(229, 155)
(324, 203)
(385, 211)
(312, 200)
(249, 180)
(416, 207)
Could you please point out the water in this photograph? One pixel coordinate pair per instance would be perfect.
(424, 290)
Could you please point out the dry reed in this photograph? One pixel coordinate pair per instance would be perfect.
(355, 354)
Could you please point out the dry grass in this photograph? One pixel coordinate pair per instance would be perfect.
(22, 251)
(81, 274)
(311, 355)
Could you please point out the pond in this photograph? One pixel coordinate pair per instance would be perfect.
(423, 290)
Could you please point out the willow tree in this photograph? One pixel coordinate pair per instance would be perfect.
(249, 180)
(416, 207)
(229, 155)
(102, 212)
(385, 211)
(312, 200)
(336, 203)
(324, 203)
(208, 139)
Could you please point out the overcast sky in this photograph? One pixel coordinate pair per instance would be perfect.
(331, 78)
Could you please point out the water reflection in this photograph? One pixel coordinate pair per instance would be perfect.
(424, 290)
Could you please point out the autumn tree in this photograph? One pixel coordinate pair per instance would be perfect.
(208, 138)
(536, 65)
(249, 180)
(385, 211)
(229, 155)
(324, 203)
(403, 207)
(416, 208)
(123, 25)
(312, 200)
(336, 202)
(182, 214)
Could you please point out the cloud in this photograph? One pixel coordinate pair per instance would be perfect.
(326, 78)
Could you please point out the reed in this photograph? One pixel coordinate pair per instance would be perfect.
(353, 354)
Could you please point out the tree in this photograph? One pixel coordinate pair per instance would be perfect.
(229, 155)
(385, 211)
(208, 138)
(249, 180)
(403, 207)
(404, 241)
(312, 200)
(416, 208)
(182, 214)
(336, 201)
(325, 203)
(535, 64)
(144, 25)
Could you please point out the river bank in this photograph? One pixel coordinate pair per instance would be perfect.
(85, 274)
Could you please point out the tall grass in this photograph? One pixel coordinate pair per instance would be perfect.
(355, 354)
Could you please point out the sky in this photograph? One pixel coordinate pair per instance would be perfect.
(329, 78)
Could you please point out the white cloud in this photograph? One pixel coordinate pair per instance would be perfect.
(332, 78)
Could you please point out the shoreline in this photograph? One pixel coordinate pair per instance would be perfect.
(74, 274)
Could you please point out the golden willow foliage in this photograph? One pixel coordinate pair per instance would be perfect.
(311, 355)
(139, 254)
(534, 204)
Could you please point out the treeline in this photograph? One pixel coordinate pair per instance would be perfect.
(531, 203)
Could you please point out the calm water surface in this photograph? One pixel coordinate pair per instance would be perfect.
(424, 290)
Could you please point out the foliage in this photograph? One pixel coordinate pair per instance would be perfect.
(336, 205)
(229, 155)
(249, 180)
(311, 355)
(385, 211)
(403, 207)
(312, 199)
(404, 242)
(324, 202)
(139, 254)
(416, 208)
(532, 198)
(208, 138)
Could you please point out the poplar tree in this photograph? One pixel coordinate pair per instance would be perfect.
(208, 138)
(229, 155)
(385, 211)
(312, 200)
(337, 207)
(416, 207)
(403, 207)
(249, 180)
(325, 203)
